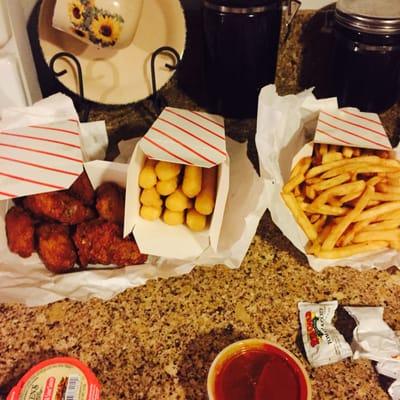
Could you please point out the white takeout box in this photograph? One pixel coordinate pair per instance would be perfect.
(287, 127)
(184, 137)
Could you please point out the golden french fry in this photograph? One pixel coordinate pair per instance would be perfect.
(195, 221)
(349, 197)
(373, 203)
(295, 181)
(374, 212)
(347, 152)
(340, 228)
(150, 197)
(310, 192)
(192, 179)
(324, 209)
(336, 164)
(165, 188)
(331, 157)
(177, 201)
(301, 166)
(328, 183)
(360, 168)
(386, 196)
(389, 235)
(385, 188)
(147, 176)
(393, 214)
(374, 180)
(314, 218)
(334, 201)
(297, 191)
(313, 181)
(173, 217)
(323, 148)
(313, 247)
(383, 225)
(299, 215)
(150, 213)
(205, 201)
(340, 190)
(348, 251)
(394, 244)
(166, 170)
(318, 225)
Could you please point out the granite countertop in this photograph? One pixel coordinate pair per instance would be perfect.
(157, 341)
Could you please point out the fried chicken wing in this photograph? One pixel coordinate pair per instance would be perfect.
(101, 242)
(58, 206)
(56, 248)
(82, 189)
(110, 202)
(20, 232)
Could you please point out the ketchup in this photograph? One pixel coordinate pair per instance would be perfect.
(258, 374)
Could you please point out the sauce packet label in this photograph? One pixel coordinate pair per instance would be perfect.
(372, 337)
(322, 341)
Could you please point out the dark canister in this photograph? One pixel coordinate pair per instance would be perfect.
(367, 53)
(241, 47)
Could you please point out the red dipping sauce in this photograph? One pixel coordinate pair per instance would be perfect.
(257, 370)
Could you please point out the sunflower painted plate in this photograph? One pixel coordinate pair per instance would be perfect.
(114, 76)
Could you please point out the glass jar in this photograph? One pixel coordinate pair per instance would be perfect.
(241, 40)
(367, 54)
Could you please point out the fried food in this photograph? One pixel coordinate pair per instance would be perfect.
(150, 213)
(347, 201)
(83, 190)
(101, 242)
(205, 201)
(20, 232)
(58, 206)
(110, 202)
(147, 176)
(55, 247)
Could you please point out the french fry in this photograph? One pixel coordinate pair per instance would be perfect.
(383, 225)
(192, 179)
(334, 201)
(340, 190)
(357, 168)
(388, 215)
(394, 244)
(379, 210)
(299, 215)
(347, 152)
(313, 181)
(328, 183)
(295, 181)
(310, 192)
(318, 225)
(301, 167)
(323, 148)
(325, 209)
(331, 157)
(348, 251)
(339, 229)
(385, 188)
(349, 197)
(386, 196)
(389, 235)
(348, 236)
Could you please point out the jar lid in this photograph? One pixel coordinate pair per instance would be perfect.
(369, 16)
(241, 6)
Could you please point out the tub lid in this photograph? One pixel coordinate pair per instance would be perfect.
(369, 16)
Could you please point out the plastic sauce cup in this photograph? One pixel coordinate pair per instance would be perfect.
(255, 369)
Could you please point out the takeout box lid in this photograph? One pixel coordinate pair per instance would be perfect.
(39, 158)
(351, 127)
(184, 137)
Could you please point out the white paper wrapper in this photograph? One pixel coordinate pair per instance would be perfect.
(394, 390)
(285, 124)
(27, 280)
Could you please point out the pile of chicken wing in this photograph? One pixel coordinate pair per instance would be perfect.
(76, 226)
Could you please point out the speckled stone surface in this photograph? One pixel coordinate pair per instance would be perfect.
(158, 341)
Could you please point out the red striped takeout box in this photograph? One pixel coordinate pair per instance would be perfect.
(39, 158)
(188, 138)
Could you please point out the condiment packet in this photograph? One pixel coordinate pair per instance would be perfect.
(390, 368)
(372, 337)
(394, 390)
(322, 341)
